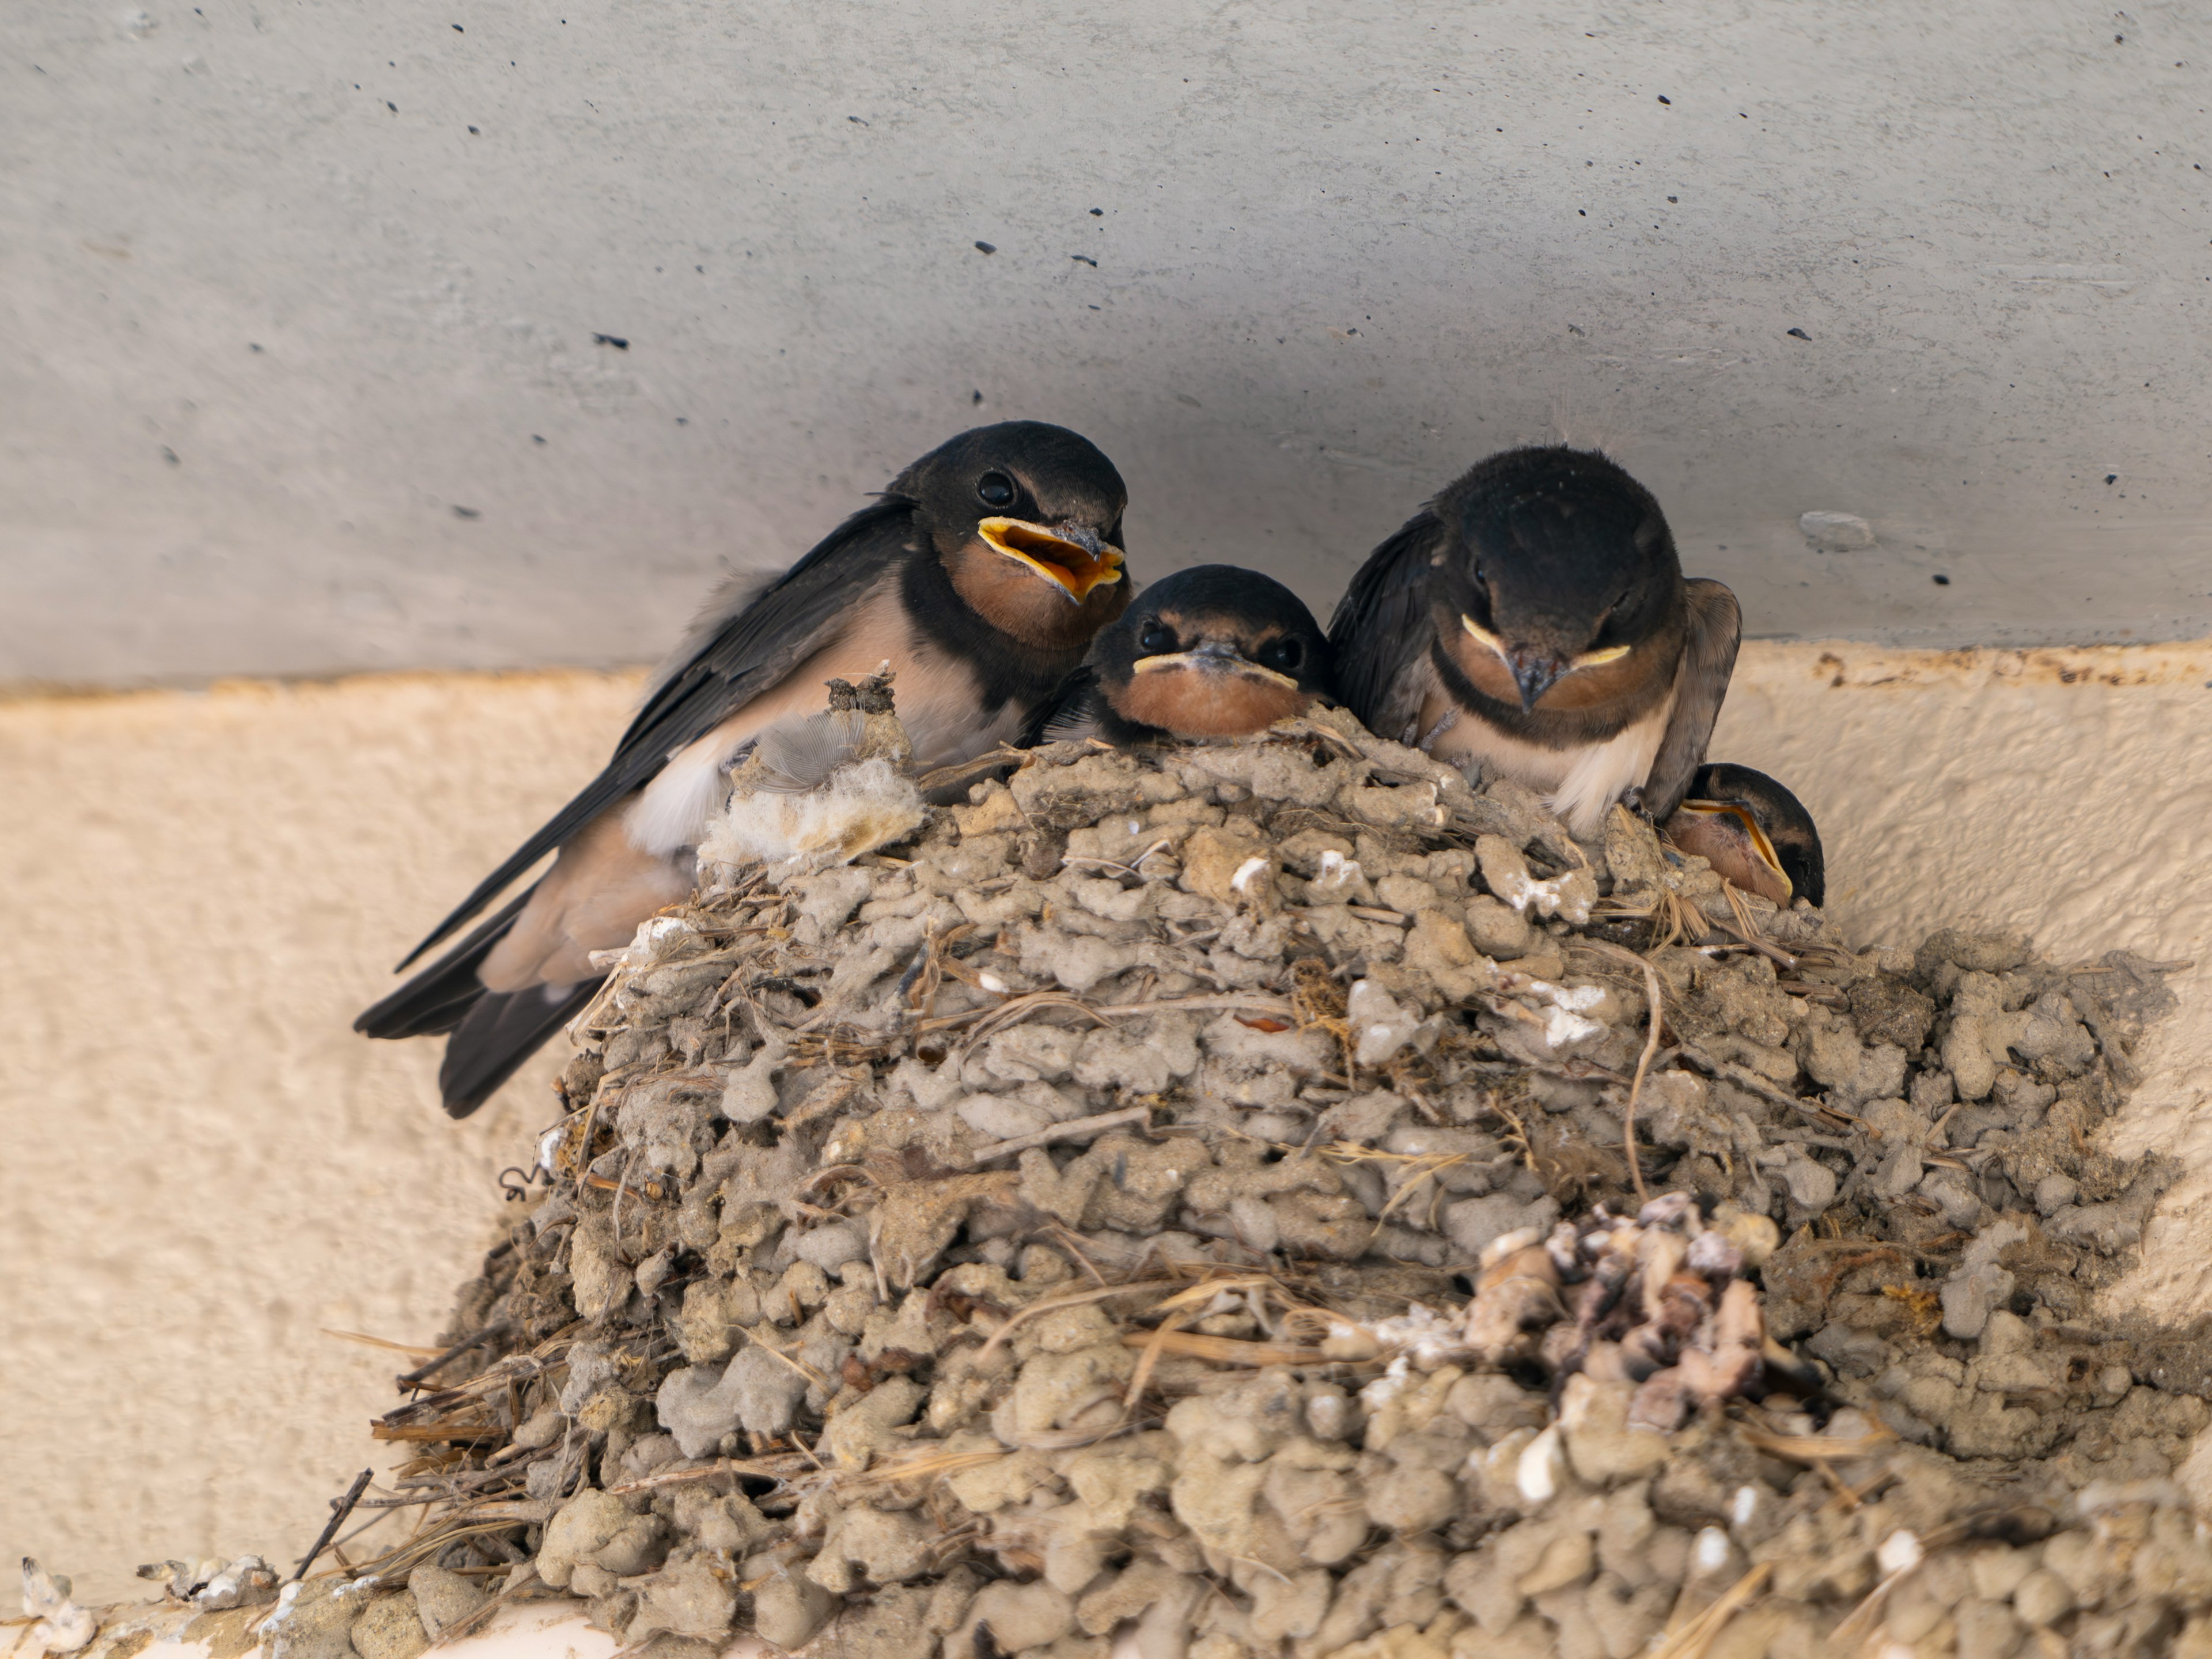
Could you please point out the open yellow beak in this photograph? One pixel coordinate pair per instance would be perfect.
(1483, 636)
(1214, 662)
(1075, 569)
(1759, 844)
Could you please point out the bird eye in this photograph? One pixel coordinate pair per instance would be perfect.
(1283, 654)
(995, 489)
(1157, 637)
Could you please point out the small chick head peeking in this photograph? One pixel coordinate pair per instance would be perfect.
(1210, 652)
(1561, 573)
(1027, 521)
(1753, 831)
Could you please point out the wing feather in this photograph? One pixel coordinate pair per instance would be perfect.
(1379, 633)
(1700, 685)
(750, 652)
(1072, 711)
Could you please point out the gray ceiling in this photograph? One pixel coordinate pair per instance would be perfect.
(292, 293)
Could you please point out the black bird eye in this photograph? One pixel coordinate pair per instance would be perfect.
(1155, 639)
(995, 489)
(1284, 655)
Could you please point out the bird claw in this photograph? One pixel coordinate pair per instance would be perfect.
(1633, 801)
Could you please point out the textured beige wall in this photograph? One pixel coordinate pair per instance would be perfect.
(204, 1165)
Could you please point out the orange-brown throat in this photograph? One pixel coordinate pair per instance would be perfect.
(1592, 680)
(1183, 694)
(1017, 598)
(1729, 837)
(1076, 570)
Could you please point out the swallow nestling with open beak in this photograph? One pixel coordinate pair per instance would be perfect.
(1753, 831)
(1210, 652)
(980, 575)
(1533, 618)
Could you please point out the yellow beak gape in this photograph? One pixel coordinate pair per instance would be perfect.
(1482, 636)
(1074, 568)
(1598, 659)
(1206, 662)
(1759, 844)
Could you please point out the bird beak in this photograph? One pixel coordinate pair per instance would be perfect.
(1214, 657)
(1536, 671)
(1072, 556)
(1753, 833)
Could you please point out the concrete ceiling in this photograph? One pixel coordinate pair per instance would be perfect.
(468, 334)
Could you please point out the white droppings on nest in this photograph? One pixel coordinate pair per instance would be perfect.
(1568, 896)
(656, 938)
(1566, 1020)
(1247, 872)
(859, 808)
(1388, 1387)
(1541, 1467)
(1420, 1335)
(61, 1626)
(1335, 874)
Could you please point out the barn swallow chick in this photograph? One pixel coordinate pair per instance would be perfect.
(1533, 620)
(980, 577)
(1753, 831)
(1210, 652)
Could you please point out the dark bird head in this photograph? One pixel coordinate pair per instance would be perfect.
(1212, 652)
(1557, 572)
(1027, 520)
(1753, 831)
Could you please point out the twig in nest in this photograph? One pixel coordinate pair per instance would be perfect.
(797, 1364)
(1074, 1129)
(497, 1328)
(1516, 1132)
(1154, 1347)
(1012, 1012)
(407, 1348)
(779, 1467)
(1815, 1449)
(1744, 1078)
(340, 1507)
(1643, 1064)
(1224, 1350)
(1071, 1299)
(1695, 1637)
(1748, 929)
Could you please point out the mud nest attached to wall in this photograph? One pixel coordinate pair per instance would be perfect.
(1277, 1199)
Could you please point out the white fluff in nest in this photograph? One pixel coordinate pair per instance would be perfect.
(859, 808)
(801, 754)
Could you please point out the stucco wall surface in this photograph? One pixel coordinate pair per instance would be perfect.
(474, 334)
(207, 1167)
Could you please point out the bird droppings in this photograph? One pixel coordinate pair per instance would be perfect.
(1048, 1229)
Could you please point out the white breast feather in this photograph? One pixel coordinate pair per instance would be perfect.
(1578, 784)
(676, 806)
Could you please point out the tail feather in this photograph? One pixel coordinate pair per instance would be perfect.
(500, 1031)
(493, 1031)
(440, 997)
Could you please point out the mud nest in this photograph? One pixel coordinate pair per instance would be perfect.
(1278, 1199)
